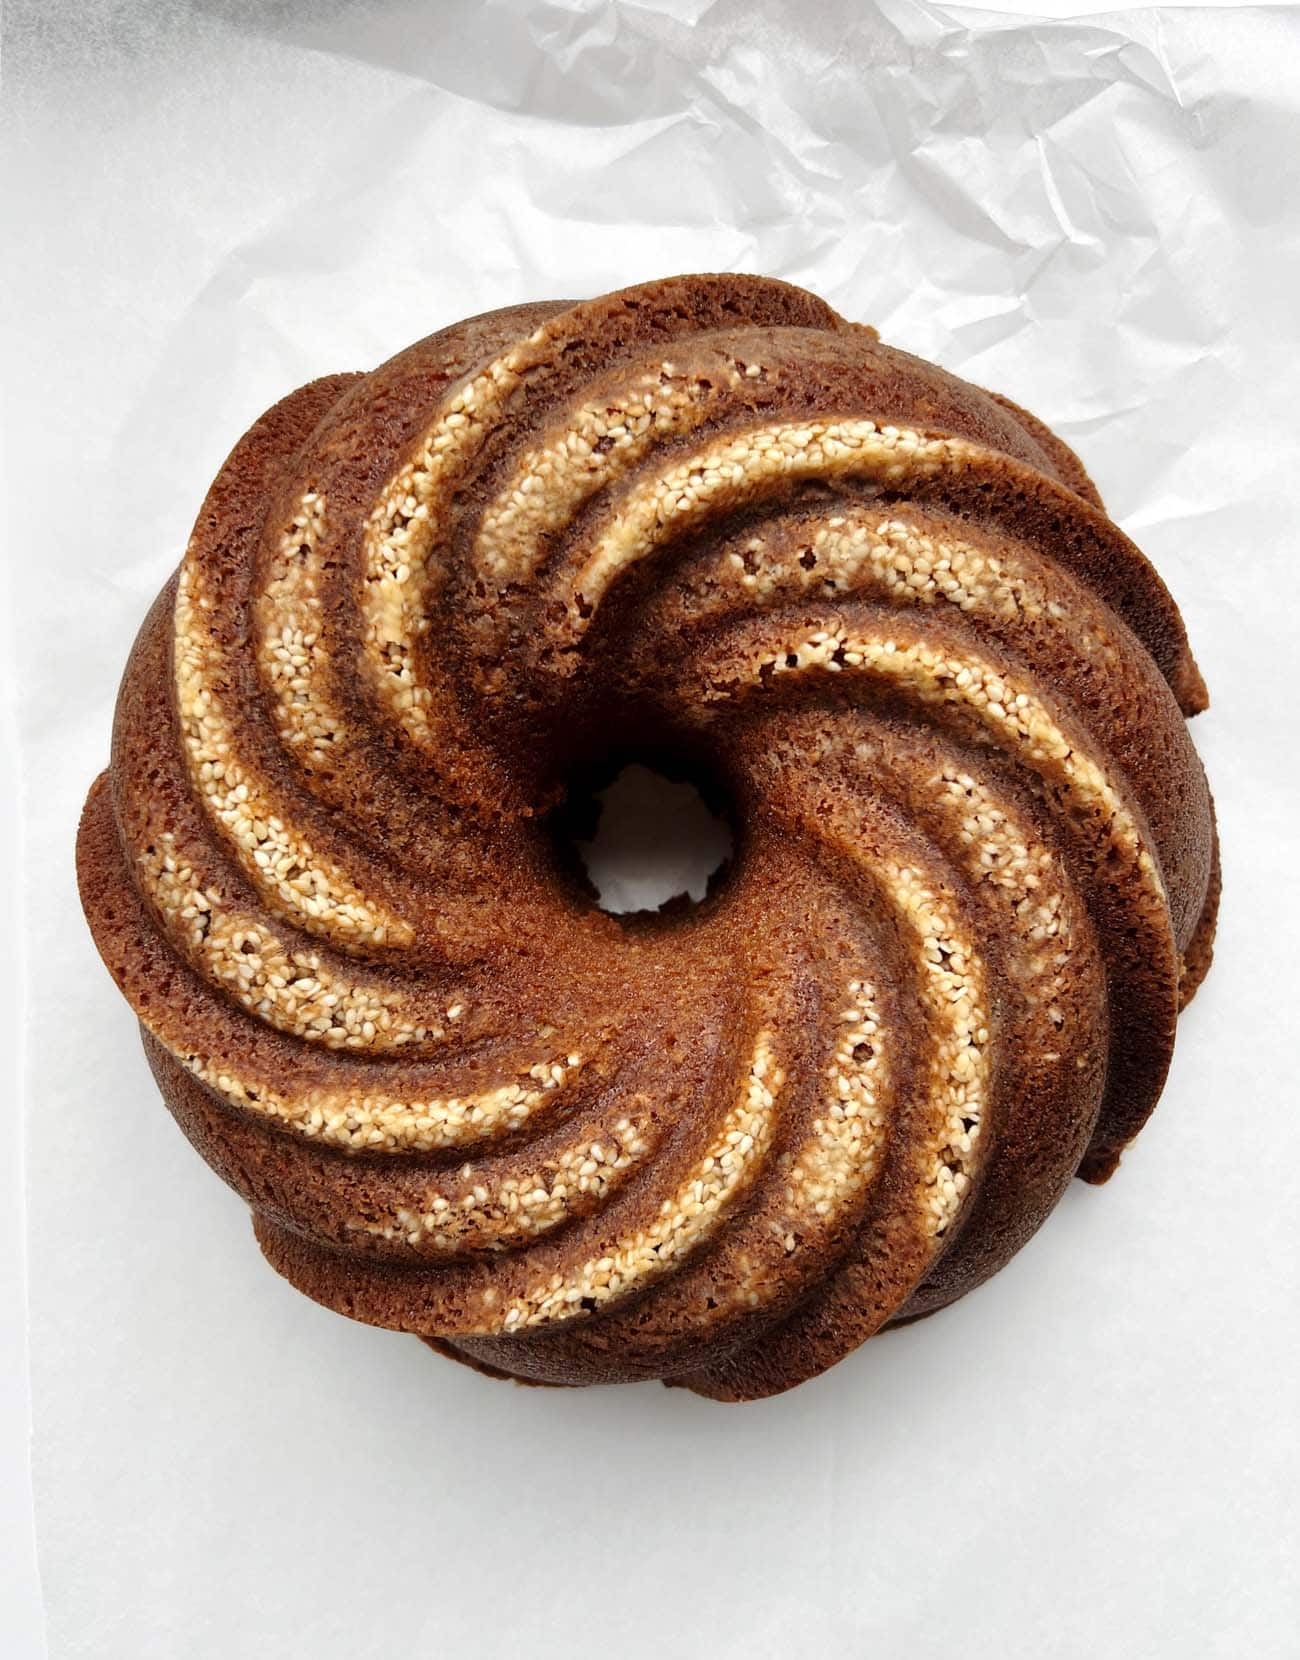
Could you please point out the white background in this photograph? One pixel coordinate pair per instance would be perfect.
(206, 204)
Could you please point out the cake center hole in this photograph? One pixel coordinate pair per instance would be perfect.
(646, 840)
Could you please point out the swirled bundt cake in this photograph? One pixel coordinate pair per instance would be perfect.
(879, 614)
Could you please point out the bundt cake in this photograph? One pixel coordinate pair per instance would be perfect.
(879, 616)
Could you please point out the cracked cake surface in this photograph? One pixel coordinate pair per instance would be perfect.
(878, 614)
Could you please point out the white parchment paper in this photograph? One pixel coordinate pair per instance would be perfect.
(209, 203)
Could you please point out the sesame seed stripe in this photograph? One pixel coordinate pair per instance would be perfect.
(297, 881)
(400, 550)
(1052, 974)
(834, 1166)
(826, 1174)
(997, 700)
(483, 1212)
(743, 467)
(602, 440)
(816, 1190)
(998, 850)
(290, 989)
(402, 546)
(908, 564)
(838, 1160)
(840, 1157)
(953, 989)
(366, 1120)
(290, 625)
(686, 1218)
(1020, 882)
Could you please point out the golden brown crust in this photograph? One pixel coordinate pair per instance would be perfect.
(882, 613)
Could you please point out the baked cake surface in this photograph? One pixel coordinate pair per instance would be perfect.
(878, 613)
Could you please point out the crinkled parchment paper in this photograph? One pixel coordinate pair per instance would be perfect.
(208, 203)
